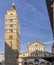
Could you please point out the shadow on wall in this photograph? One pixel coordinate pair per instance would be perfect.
(11, 55)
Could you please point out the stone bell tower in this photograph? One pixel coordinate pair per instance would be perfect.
(12, 36)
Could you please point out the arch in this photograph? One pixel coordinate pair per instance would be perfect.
(25, 63)
(30, 63)
(36, 61)
(42, 63)
(36, 64)
(48, 63)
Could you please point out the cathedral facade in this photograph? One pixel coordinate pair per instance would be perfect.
(35, 55)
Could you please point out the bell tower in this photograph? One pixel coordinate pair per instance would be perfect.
(12, 36)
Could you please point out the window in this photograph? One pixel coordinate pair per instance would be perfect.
(11, 25)
(11, 20)
(23, 54)
(10, 37)
(11, 30)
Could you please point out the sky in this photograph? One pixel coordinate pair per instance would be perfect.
(34, 23)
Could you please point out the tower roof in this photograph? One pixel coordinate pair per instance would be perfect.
(13, 7)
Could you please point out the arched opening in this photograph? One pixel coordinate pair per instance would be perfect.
(36, 64)
(36, 61)
(25, 63)
(42, 63)
(48, 63)
(30, 63)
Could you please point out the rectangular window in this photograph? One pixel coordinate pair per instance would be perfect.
(11, 25)
(11, 20)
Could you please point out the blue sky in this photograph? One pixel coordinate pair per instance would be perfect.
(34, 22)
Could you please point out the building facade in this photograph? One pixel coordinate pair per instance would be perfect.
(33, 49)
(12, 36)
(33, 61)
(36, 46)
(35, 55)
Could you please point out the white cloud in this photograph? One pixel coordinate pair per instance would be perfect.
(49, 42)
